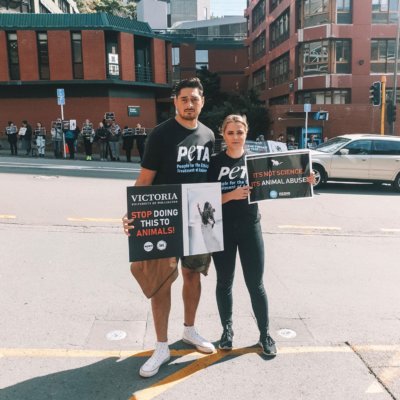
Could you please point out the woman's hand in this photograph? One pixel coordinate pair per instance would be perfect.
(127, 225)
(239, 193)
(311, 179)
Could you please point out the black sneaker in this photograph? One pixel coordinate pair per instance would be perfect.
(225, 343)
(268, 346)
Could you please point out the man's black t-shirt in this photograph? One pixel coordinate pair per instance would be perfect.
(178, 154)
(231, 172)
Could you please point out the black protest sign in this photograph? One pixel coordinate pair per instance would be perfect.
(157, 221)
(279, 175)
(169, 220)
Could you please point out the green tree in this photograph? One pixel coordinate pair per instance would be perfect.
(114, 7)
(219, 104)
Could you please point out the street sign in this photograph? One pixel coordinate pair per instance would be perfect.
(60, 93)
(61, 101)
(307, 107)
(133, 111)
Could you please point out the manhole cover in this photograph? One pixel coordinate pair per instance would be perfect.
(116, 335)
(287, 333)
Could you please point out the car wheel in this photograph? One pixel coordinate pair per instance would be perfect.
(320, 176)
(396, 183)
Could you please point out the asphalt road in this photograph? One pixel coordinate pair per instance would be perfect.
(74, 324)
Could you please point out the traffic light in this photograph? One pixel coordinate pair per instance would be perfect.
(391, 111)
(375, 93)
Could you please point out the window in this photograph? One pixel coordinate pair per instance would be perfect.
(342, 53)
(361, 147)
(77, 61)
(43, 55)
(325, 57)
(258, 47)
(259, 79)
(21, 6)
(279, 70)
(315, 12)
(382, 55)
(201, 59)
(343, 11)
(384, 11)
(342, 96)
(273, 4)
(315, 57)
(279, 30)
(258, 14)
(13, 58)
(386, 147)
(64, 6)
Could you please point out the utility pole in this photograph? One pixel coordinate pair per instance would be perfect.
(383, 103)
(394, 91)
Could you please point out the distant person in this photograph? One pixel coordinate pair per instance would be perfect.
(57, 137)
(102, 136)
(281, 138)
(27, 137)
(115, 134)
(40, 137)
(127, 142)
(140, 136)
(70, 138)
(11, 132)
(88, 134)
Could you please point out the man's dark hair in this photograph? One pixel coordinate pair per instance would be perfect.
(25, 122)
(187, 83)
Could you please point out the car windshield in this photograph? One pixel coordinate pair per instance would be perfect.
(332, 145)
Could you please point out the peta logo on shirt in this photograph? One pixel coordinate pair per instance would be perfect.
(234, 173)
(193, 153)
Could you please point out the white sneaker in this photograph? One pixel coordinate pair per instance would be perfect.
(191, 336)
(152, 365)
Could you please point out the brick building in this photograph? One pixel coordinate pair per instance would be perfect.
(104, 64)
(324, 52)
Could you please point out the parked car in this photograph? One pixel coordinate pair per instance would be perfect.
(358, 158)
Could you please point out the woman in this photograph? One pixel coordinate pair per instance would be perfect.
(127, 142)
(102, 135)
(40, 137)
(242, 231)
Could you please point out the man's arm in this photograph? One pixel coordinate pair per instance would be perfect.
(146, 177)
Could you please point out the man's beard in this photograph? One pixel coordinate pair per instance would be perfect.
(189, 116)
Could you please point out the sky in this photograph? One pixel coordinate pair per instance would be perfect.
(220, 8)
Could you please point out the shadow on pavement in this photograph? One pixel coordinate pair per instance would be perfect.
(114, 378)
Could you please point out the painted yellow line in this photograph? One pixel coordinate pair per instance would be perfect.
(88, 219)
(326, 228)
(7, 216)
(178, 377)
(76, 353)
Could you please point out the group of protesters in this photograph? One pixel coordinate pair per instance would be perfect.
(66, 134)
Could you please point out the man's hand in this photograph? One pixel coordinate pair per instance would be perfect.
(127, 224)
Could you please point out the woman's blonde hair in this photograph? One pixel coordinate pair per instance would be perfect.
(241, 119)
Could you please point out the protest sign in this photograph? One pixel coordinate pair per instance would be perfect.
(174, 220)
(279, 175)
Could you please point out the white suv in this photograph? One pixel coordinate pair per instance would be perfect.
(358, 157)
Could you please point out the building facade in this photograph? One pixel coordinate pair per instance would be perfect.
(324, 52)
(217, 44)
(104, 64)
(39, 6)
(188, 10)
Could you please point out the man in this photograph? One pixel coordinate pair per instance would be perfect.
(27, 137)
(176, 152)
